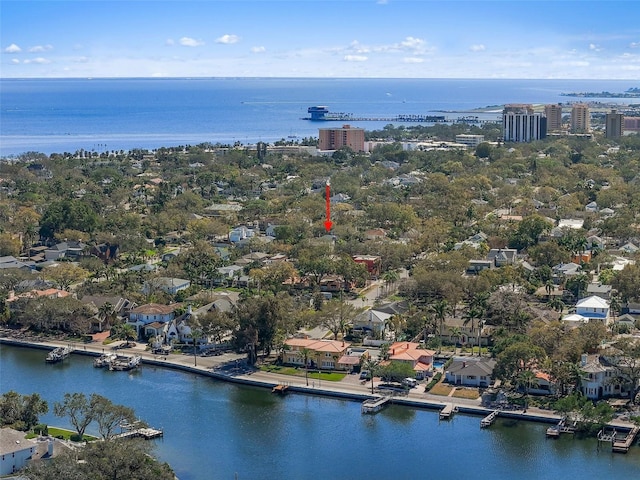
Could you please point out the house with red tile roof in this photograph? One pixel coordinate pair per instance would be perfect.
(323, 354)
(409, 352)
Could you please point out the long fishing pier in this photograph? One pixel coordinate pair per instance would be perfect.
(322, 114)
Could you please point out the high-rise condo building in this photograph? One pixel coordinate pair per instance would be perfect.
(613, 124)
(336, 138)
(520, 124)
(580, 118)
(553, 113)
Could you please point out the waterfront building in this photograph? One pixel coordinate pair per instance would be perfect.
(15, 450)
(521, 124)
(471, 372)
(580, 118)
(553, 112)
(469, 140)
(410, 353)
(320, 354)
(336, 138)
(613, 124)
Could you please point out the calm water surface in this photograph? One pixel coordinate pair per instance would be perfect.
(215, 430)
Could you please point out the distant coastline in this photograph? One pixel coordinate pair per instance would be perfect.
(629, 93)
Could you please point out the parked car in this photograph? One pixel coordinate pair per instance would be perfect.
(365, 375)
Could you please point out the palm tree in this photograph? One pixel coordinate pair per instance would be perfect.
(615, 305)
(390, 277)
(470, 316)
(526, 379)
(372, 366)
(196, 334)
(440, 309)
(306, 353)
(456, 332)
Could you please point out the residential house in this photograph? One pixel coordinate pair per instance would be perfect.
(594, 308)
(599, 378)
(72, 250)
(629, 248)
(105, 252)
(502, 256)
(143, 315)
(323, 354)
(15, 450)
(372, 262)
(375, 234)
(471, 372)
(599, 290)
(119, 309)
(563, 270)
(591, 207)
(9, 261)
(409, 352)
(168, 285)
(230, 272)
(241, 234)
(372, 321)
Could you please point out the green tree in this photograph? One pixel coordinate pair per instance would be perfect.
(371, 365)
(78, 408)
(108, 416)
(440, 309)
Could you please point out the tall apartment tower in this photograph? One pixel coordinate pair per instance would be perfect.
(553, 113)
(580, 118)
(520, 124)
(336, 138)
(613, 125)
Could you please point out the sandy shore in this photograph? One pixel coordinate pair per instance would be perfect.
(231, 367)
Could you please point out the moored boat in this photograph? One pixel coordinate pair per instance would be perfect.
(125, 362)
(104, 360)
(58, 354)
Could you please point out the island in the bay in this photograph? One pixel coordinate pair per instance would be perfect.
(633, 92)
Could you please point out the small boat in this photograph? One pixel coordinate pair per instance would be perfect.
(125, 362)
(104, 360)
(58, 354)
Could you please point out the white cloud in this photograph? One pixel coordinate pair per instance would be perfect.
(170, 42)
(355, 58)
(15, 61)
(13, 48)
(634, 44)
(258, 49)
(477, 48)
(594, 47)
(412, 42)
(190, 42)
(228, 39)
(413, 60)
(41, 48)
(38, 60)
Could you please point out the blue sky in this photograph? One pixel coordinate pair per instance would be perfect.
(321, 38)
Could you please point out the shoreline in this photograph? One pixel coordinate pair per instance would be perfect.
(250, 377)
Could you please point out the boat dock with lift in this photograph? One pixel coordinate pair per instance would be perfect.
(132, 431)
(560, 427)
(375, 404)
(58, 354)
(104, 360)
(489, 419)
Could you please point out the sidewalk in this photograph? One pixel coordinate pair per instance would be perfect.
(232, 367)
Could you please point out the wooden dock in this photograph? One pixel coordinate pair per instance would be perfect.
(489, 419)
(374, 405)
(447, 411)
(561, 427)
(623, 445)
(146, 433)
(280, 389)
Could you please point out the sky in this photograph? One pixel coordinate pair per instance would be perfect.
(586, 39)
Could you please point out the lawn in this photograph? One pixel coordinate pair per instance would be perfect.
(66, 434)
(300, 372)
(441, 389)
(471, 393)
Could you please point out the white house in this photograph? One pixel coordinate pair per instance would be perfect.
(15, 450)
(371, 320)
(598, 378)
(168, 285)
(594, 308)
(473, 372)
(152, 312)
(240, 234)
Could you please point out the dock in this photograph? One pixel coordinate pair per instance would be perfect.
(125, 362)
(58, 354)
(489, 419)
(623, 445)
(321, 113)
(280, 389)
(561, 427)
(447, 411)
(374, 405)
(146, 433)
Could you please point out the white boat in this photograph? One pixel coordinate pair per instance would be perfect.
(125, 362)
(104, 360)
(58, 354)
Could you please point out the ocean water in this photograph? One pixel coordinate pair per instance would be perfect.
(65, 115)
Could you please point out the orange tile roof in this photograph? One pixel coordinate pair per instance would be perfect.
(318, 345)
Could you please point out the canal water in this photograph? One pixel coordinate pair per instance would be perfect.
(214, 430)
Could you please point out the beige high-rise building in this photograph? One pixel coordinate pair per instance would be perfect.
(553, 113)
(580, 118)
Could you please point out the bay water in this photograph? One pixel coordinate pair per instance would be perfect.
(100, 114)
(215, 430)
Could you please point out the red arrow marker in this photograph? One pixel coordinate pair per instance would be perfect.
(328, 223)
